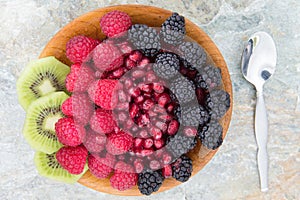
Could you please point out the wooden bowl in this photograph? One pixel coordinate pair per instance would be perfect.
(88, 25)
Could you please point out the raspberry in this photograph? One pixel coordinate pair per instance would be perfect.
(102, 92)
(72, 159)
(193, 53)
(114, 23)
(119, 143)
(101, 167)
(150, 181)
(102, 121)
(124, 177)
(183, 89)
(166, 65)
(211, 135)
(79, 47)
(108, 57)
(145, 38)
(79, 78)
(182, 168)
(94, 142)
(79, 107)
(173, 29)
(68, 132)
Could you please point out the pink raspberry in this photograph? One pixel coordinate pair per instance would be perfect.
(94, 142)
(101, 167)
(108, 57)
(114, 23)
(79, 47)
(124, 177)
(103, 94)
(79, 107)
(119, 143)
(68, 132)
(72, 159)
(102, 121)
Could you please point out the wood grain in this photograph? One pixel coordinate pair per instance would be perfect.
(88, 25)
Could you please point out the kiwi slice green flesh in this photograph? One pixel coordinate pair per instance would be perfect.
(41, 77)
(48, 166)
(39, 127)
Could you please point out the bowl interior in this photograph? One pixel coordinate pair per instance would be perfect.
(88, 25)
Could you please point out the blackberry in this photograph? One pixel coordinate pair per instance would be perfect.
(193, 53)
(173, 29)
(211, 75)
(145, 38)
(182, 168)
(194, 115)
(218, 102)
(177, 112)
(180, 144)
(200, 82)
(150, 181)
(211, 134)
(166, 65)
(184, 89)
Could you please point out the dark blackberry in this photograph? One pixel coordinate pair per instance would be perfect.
(182, 168)
(184, 89)
(150, 181)
(193, 53)
(211, 75)
(200, 82)
(180, 144)
(177, 112)
(218, 102)
(211, 134)
(194, 115)
(173, 29)
(166, 65)
(145, 38)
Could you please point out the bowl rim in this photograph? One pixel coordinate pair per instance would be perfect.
(82, 26)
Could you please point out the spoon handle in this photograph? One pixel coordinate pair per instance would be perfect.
(261, 134)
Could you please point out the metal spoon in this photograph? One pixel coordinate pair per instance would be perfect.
(258, 64)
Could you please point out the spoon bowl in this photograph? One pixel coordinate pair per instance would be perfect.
(258, 65)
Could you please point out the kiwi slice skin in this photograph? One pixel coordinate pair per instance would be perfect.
(48, 166)
(39, 78)
(39, 126)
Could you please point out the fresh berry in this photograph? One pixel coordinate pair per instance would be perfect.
(194, 115)
(108, 57)
(68, 132)
(79, 107)
(210, 75)
(183, 89)
(193, 53)
(145, 38)
(79, 47)
(114, 23)
(121, 166)
(150, 181)
(103, 93)
(180, 144)
(173, 29)
(167, 171)
(182, 168)
(166, 65)
(94, 142)
(102, 121)
(101, 167)
(173, 127)
(218, 102)
(72, 159)
(211, 134)
(79, 78)
(119, 143)
(123, 180)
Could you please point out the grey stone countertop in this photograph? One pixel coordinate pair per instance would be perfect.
(26, 27)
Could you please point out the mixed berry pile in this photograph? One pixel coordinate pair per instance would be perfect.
(140, 101)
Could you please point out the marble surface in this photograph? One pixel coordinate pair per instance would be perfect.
(26, 26)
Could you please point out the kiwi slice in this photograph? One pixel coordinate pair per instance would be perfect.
(39, 127)
(48, 166)
(41, 77)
